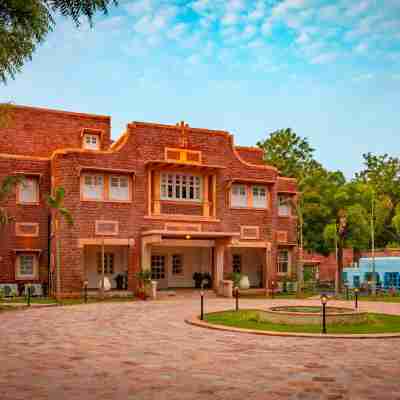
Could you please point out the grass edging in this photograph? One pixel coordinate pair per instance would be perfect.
(195, 321)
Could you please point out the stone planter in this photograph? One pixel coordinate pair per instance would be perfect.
(244, 282)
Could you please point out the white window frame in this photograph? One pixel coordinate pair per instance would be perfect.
(119, 193)
(258, 200)
(239, 196)
(175, 257)
(174, 184)
(109, 263)
(28, 183)
(284, 209)
(91, 141)
(95, 178)
(35, 266)
(237, 263)
(158, 267)
(283, 260)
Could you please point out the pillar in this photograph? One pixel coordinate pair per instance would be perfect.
(219, 265)
(157, 206)
(206, 203)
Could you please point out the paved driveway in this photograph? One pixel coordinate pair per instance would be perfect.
(144, 350)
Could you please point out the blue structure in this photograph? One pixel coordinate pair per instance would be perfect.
(386, 268)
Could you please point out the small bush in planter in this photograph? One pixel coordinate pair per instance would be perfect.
(235, 277)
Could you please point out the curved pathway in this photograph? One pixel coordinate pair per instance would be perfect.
(144, 350)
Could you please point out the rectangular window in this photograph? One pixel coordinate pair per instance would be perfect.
(108, 263)
(177, 264)
(283, 206)
(239, 196)
(180, 187)
(157, 267)
(93, 187)
(237, 263)
(26, 266)
(28, 190)
(119, 188)
(91, 142)
(259, 197)
(283, 261)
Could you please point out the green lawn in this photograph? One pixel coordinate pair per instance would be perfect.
(248, 319)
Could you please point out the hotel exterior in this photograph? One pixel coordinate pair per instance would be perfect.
(169, 198)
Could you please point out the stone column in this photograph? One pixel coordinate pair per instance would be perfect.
(219, 265)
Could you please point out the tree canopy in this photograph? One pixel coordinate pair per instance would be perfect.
(25, 23)
(337, 211)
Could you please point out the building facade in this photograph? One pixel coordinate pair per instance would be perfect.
(169, 198)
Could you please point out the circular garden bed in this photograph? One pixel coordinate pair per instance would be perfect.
(253, 320)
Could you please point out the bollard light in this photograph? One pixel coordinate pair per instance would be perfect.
(29, 287)
(202, 304)
(85, 288)
(237, 298)
(324, 301)
(356, 298)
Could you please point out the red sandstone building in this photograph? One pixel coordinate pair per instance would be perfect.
(170, 198)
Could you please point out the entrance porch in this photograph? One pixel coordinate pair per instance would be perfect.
(174, 256)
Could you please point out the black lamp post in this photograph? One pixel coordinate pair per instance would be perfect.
(202, 303)
(29, 287)
(324, 301)
(85, 289)
(356, 298)
(237, 298)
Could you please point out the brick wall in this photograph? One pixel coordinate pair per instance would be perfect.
(142, 143)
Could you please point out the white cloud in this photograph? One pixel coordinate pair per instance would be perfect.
(258, 12)
(249, 31)
(266, 27)
(140, 7)
(230, 19)
(255, 44)
(329, 13)
(285, 6)
(324, 58)
(363, 77)
(361, 48)
(177, 31)
(303, 38)
(358, 8)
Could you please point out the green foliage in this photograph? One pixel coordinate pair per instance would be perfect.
(144, 277)
(25, 23)
(6, 187)
(288, 152)
(56, 203)
(235, 277)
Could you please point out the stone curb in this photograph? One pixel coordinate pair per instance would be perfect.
(197, 322)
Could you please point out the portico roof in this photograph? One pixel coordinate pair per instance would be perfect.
(192, 234)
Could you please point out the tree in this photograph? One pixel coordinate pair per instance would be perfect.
(382, 175)
(56, 204)
(25, 23)
(291, 154)
(6, 187)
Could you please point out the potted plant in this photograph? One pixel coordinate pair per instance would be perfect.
(207, 280)
(198, 278)
(144, 278)
(235, 278)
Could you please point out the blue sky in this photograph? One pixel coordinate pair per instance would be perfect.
(330, 70)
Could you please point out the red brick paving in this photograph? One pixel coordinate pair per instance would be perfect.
(144, 350)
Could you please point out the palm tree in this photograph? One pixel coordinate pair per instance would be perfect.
(6, 187)
(56, 204)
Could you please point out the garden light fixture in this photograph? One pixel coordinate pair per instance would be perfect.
(324, 301)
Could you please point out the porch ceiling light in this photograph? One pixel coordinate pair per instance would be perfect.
(187, 237)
